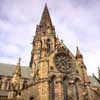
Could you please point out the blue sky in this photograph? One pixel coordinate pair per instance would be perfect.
(77, 23)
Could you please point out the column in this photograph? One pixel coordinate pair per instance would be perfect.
(58, 89)
(43, 90)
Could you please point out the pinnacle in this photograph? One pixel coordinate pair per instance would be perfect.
(78, 54)
(19, 59)
(18, 68)
(78, 51)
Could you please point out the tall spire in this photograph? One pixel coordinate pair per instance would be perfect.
(45, 19)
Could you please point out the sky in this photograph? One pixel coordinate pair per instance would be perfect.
(77, 23)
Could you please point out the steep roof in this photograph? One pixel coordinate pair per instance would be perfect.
(9, 70)
(94, 82)
(3, 93)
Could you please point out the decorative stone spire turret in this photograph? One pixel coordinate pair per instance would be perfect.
(18, 68)
(17, 76)
(78, 54)
(16, 82)
(81, 67)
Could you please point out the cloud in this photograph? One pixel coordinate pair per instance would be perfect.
(9, 49)
(78, 24)
(76, 21)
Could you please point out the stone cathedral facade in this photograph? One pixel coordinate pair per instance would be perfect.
(56, 74)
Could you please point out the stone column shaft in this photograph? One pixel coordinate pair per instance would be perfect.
(58, 89)
(44, 91)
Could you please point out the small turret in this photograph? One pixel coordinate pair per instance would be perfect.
(16, 82)
(17, 75)
(18, 68)
(78, 54)
(81, 67)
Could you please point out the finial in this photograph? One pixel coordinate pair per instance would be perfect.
(46, 4)
(45, 7)
(78, 54)
(77, 48)
(19, 59)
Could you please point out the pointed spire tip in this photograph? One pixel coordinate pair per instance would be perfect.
(45, 18)
(77, 48)
(19, 59)
(78, 54)
(45, 4)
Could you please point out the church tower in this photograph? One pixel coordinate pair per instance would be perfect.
(44, 39)
(52, 63)
(43, 46)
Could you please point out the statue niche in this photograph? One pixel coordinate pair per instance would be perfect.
(48, 43)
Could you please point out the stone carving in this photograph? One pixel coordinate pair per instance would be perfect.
(62, 63)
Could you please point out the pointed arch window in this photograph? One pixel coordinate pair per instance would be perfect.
(48, 45)
(65, 89)
(52, 89)
(31, 98)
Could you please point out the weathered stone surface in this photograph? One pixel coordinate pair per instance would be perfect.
(56, 73)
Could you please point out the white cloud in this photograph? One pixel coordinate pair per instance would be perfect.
(78, 21)
(75, 20)
(10, 49)
(92, 61)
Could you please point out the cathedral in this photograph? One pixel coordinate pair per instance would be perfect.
(54, 73)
